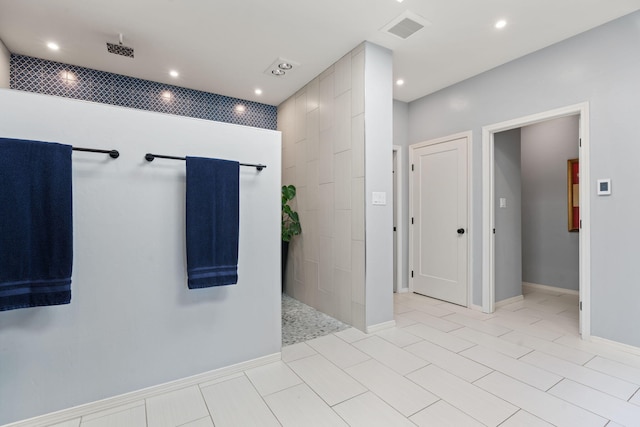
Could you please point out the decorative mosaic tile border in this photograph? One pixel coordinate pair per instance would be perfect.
(55, 78)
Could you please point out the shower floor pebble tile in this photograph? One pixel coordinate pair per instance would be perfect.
(303, 323)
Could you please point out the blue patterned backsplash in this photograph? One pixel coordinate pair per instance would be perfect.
(54, 78)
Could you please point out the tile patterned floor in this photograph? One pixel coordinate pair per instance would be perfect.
(442, 365)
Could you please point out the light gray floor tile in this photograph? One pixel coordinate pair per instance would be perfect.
(528, 374)
(470, 399)
(550, 408)
(525, 419)
(175, 408)
(70, 423)
(388, 354)
(616, 410)
(451, 362)
(368, 410)
(403, 395)
(583, 375)
(511, 349)
(338, 351)
(330, 382)
(237, 403)
(399, 337)
(351, 335)
(442, 414)
(299, 406)
(134, 417)
(202, 422)
(615, 369)
(272, 378)
(443, 339)
(297, 351)
(567, 353)
(487, 328)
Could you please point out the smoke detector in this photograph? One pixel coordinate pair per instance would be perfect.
(405, 25)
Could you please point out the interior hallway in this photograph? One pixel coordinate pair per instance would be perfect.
(442, 365)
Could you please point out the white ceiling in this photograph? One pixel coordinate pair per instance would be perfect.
(225, 46)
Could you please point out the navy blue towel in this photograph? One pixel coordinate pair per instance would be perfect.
(36, 234)
(213, 217)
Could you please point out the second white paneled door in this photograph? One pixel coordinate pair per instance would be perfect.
(439, 198)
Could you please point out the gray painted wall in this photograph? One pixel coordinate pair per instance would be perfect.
(549, 251)
(378, 122)
(5, 66)
(401, 138)
(508, 220)
(132, 322)
(602, 67)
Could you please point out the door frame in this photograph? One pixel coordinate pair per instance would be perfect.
(468, 135)
(397, 194)
(488, 209)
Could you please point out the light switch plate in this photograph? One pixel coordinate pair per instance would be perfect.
(379, 198)
(604, 187)
(503, 202)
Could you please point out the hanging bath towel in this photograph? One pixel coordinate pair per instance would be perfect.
(36, 234)
(212, 222)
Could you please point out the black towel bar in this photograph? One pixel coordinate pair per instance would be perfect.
(114, 154)
(149, 157)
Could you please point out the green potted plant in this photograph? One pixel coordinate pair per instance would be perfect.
(290, 225)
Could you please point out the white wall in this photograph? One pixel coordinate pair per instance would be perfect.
(132, 322)
(549, 251)
(5, 66)
(508, 219)
(600, 66)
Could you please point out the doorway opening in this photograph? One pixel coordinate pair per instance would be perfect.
(489, 209)
(398, 241)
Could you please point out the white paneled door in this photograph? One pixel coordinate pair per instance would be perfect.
(439, 220)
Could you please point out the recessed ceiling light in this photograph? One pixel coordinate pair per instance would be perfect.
(278, 72)
(285, 66)
(53, 46)
(501, 24)
(400, 1)
(174, 73)
(399, 82)
(68, 77)
(258, 91)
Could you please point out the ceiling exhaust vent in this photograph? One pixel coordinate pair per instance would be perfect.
(120, 49)
(406, 25)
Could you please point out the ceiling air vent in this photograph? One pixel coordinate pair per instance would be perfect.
(405, 25)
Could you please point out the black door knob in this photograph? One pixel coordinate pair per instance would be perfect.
(460, 230)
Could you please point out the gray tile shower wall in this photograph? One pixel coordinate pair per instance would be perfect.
(70, 81)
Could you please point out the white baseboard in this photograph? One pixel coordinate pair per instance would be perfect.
(474, 307)
(138, 395)
(543, 288)
(402, 290)
(380, 327)
(617, 345)
(508, 301)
